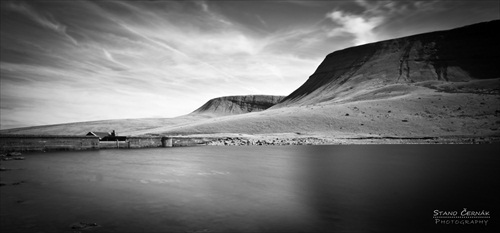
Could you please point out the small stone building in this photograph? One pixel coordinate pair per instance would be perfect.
(106, 136)
(100, 135)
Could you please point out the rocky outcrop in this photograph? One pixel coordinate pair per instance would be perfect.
(461, 54)
(231, 105)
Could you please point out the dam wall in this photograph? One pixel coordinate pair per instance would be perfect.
(10, 143)
(144, 142)
(113, 145)
(149, 142)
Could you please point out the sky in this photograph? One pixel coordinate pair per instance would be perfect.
(74, 61)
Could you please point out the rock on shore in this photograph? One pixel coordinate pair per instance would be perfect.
(272, 141)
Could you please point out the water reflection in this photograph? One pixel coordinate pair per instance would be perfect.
(392, 187)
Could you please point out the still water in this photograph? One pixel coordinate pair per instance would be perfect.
(353, 188)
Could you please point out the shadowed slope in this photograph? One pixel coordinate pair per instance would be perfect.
(461, 54)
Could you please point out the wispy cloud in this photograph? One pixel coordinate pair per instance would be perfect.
(46, 20)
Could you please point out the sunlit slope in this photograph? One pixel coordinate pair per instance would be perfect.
(122, 127)
(399, 110)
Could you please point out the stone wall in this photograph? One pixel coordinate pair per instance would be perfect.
(144, 142)
(113, 145)
(10, 143)
(46, 143)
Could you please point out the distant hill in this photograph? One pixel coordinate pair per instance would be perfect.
(223, 106)
(230, 105)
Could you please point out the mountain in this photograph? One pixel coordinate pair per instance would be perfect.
(462, 54)
(230, 105)
(433, 84)
(444, 83)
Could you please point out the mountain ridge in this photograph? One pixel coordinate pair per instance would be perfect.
(460, 54)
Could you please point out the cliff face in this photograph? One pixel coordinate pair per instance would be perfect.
(461, 54)
(231, 105)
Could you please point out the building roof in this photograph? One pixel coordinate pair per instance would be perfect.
(100, 135)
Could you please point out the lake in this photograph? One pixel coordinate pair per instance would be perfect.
(341, 188)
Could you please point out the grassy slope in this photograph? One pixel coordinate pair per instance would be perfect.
(397, 110)
(422, 109)
(122, 127)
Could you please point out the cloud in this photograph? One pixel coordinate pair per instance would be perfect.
(46, 20)
(112, 59)
(364, 26)
(308, 3)
(203, 5)
(360, 27)
(261, 20)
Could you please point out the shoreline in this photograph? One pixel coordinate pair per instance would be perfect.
(276, 141)
(29, 143)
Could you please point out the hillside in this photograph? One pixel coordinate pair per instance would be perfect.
(461, 54)
(411, 111)
(223, 106)
(444, 83)
(123, 127)
(433, 84)
(230, 105)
